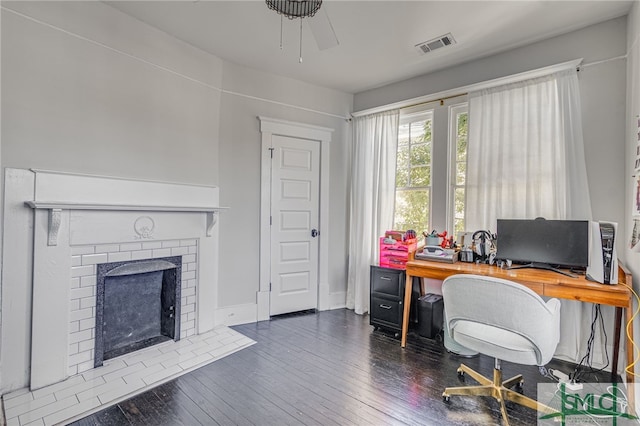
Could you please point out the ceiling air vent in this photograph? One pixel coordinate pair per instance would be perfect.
(436, 43)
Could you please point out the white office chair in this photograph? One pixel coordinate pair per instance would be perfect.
(504, 320)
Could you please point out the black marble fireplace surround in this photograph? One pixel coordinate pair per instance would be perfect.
(137, 305)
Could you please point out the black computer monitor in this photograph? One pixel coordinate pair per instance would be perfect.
(544, 244)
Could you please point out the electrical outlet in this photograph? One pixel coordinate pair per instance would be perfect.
(573, 386)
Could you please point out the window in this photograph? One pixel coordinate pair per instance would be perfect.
(413, 172)
(431, 168)
(458, 148)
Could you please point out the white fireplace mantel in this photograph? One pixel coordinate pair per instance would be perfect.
(56, 208)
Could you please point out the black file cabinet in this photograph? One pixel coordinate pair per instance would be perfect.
(387, 294)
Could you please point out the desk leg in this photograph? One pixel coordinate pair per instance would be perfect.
(630, 355)
(617, 322)
(408, 289)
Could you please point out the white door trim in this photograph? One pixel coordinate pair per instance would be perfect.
(268, 128)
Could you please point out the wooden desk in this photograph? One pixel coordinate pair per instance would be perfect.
(544, 283)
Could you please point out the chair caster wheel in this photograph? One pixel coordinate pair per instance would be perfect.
(461, 375)
(519, 387)
(446, 399)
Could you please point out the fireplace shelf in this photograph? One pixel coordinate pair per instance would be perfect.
(120, 207)
(56, 208)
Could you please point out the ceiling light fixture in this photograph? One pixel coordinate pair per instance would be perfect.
(293, 9)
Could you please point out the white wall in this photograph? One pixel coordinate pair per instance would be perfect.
(88, 89)
(632, 115)
(602, 90)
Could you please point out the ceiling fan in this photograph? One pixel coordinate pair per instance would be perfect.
(320, 24)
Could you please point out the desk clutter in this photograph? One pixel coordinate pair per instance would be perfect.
(395, 247)
(567, 247)
(437, 254)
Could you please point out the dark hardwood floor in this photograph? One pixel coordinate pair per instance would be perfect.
(327, 368)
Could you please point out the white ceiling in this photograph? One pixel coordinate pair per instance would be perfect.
(377, 38)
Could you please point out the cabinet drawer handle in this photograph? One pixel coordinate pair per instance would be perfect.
(385, 306)
(385, 278)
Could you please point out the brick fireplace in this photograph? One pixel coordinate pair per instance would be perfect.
(80, 222)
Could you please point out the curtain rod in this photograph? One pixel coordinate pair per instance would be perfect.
(578, 68)
(588, 64)
(461, 91)
(441, 100)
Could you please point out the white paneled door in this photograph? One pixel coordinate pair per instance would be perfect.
(295, 184)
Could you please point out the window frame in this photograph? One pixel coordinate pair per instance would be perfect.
(408, 116)
(443, 150)
(454, 111)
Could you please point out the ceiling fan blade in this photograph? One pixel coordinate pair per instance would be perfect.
(322, 30)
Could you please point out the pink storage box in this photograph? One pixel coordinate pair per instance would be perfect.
(396, 255)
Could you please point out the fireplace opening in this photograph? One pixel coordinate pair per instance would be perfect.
(137, 305)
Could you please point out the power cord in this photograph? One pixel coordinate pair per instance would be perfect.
(629, 330)
(578, 371)
(585, 365)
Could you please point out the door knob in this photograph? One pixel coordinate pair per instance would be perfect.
(314, 233)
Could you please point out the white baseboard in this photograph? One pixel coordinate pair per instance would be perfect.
(263, 298)
(248, 313)
(236, 314)
(338, 300)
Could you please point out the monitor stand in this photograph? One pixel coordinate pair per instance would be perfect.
(545, 266)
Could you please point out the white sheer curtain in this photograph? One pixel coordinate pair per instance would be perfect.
(372, 198)
(526, 160)
(526, 153)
